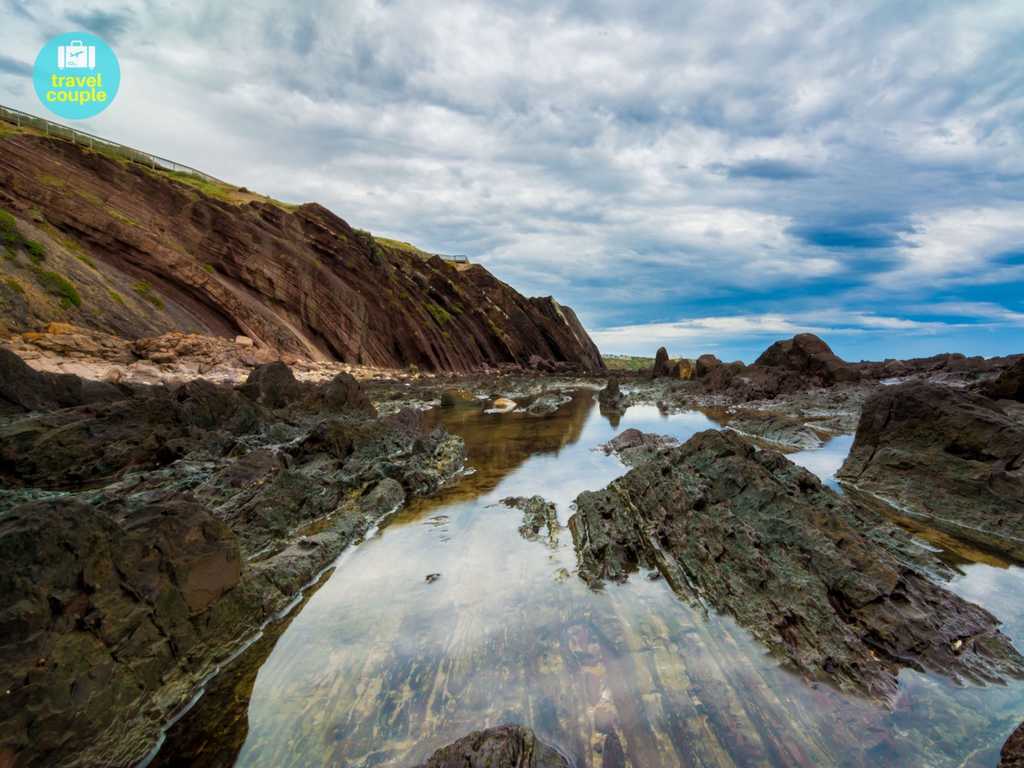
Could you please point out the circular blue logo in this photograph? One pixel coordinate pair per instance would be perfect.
(76, 75)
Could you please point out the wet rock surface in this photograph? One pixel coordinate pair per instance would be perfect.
(147, 536)
(505, 746)
(1012, 755)
(634, 447)
(538, 514)
(837, 593)
(777, 429)
(952, 456)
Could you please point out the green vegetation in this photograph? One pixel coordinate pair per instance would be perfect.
(49, 180)
(438, 313)
(85, 258)
(36, 251)
(122, 217)
(9, 234)
(401, 245)
(209, 268)
(628, 362)
(14, 285)
(145, 290)
(60, 286)
(222, 190)
(115, 296)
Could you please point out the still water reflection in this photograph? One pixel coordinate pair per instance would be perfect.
(381, 667)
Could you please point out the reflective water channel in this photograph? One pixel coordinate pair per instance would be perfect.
(380, 667)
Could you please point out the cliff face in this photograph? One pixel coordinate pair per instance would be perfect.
(145, 251)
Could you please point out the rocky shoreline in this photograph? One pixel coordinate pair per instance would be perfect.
(159, 508)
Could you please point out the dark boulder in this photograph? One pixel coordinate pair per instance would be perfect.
(1012, 755)
(22, 388)
(1009, 385)
(343, 393)
(506, 746)
(834, 591)
(705, 364)
(811, 357)
(662, 364)
(272, 385)
(634, 447)
(946, 454)
(97, 613)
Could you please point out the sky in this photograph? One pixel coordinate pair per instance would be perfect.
(709, 177)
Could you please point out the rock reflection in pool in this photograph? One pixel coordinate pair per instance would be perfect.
(382, 668)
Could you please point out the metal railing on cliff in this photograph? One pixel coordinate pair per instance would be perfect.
(75, 136)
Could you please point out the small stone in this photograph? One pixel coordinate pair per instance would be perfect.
(244, 341)
(432, 577)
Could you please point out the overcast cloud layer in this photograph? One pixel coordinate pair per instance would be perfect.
(707, 176)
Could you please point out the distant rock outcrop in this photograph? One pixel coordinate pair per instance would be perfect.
(796, 364)
(137, 252)
(1009, 385)
(661, 364)
(946, 454)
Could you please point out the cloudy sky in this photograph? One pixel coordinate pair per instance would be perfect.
(707, 176)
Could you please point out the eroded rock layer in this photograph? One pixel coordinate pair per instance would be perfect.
(947, 454)
(138, 252)
(838, 594)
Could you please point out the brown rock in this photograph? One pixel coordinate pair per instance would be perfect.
(661, 364)
(832, 589)
(705, 364)
(296, 280)
(506, 746)
(681, 369)
(1012, 755)
(807, 354)
(1009, 385)
(946, 454)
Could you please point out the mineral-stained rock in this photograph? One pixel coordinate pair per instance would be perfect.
(1012, 755)
(661, 364)
(946, 454)
(506, 746)
(681, 369)
(825, 586)
(634, 447)
(1009, 385)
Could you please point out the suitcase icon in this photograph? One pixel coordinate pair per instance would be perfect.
(76, 55)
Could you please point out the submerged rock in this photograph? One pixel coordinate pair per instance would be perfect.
(946, 454)
(782, 430)
(611, 398)
(547, 404)
(833, 592)
(538, 513)
(505, 746)
(451, 398)
(634, 447)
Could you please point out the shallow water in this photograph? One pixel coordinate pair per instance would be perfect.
(381, 667)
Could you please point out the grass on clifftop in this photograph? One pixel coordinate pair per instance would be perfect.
(628, 362)
(223, 191)
(401, 245)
